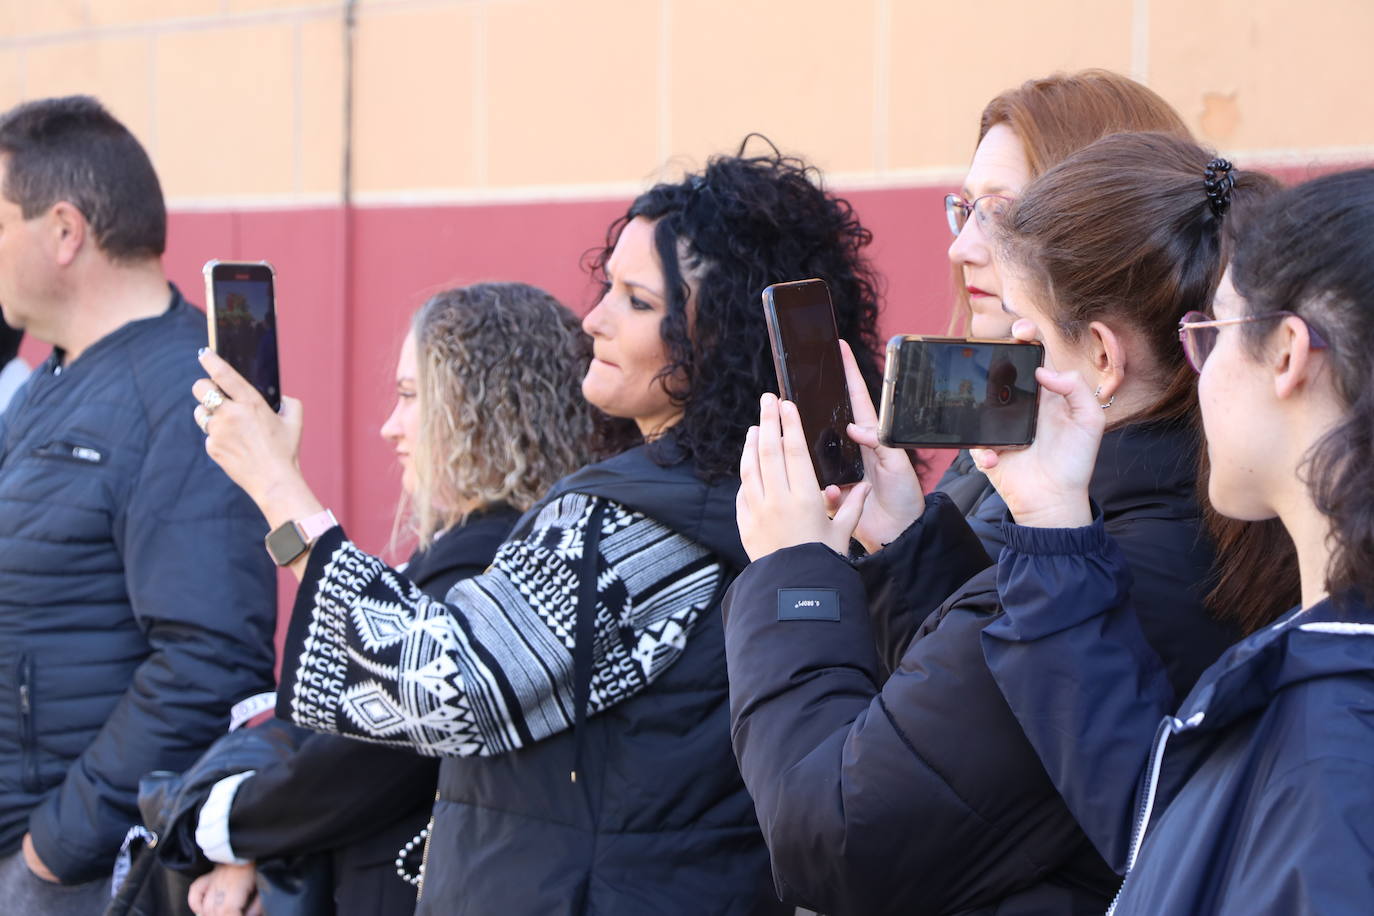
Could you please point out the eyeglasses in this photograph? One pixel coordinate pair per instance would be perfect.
(1198, 333)
(987, 208)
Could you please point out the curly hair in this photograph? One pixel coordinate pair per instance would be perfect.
(738, 225)
(499, 369)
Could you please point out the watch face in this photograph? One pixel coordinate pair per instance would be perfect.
(285, 544)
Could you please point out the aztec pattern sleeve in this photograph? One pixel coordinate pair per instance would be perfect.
(490, 669)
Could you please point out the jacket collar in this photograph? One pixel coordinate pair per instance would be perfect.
(1333, 638)
(176, 303)
(1147, 469)
(660, 482)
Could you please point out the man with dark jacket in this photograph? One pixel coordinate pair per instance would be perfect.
(136, 601)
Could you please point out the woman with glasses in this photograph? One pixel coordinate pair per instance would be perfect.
(909, 786)
(1021, 133)
(1252, 794)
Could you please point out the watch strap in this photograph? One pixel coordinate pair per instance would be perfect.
(312, 526)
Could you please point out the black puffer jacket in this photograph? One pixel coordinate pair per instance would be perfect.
(136, 600)
(916, 791)
(658, 820)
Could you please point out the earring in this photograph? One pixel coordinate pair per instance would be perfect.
(1110, 401)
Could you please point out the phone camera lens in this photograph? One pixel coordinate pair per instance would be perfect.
(1004, 394)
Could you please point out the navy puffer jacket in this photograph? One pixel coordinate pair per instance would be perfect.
(136, 600)
(1253, 797)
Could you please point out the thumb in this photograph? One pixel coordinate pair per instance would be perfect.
(984, 458)
(834, 498)
(1071, 386)
(847, 516)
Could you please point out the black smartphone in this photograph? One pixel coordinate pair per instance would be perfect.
(951, 392)
(241, 309)
(806, 355)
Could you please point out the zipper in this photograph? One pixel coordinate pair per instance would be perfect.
(70, 451)
(26, 731)
(1168, 726)
(424, 853)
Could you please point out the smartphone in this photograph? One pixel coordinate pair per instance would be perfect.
(240, 307)
(951, 392)
(806, 355)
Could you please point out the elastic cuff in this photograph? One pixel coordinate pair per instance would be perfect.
(212, 827)
(1058, 541)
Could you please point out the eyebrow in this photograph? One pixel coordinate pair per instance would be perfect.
(995, 189)
(647, 289)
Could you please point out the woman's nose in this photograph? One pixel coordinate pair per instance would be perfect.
(391, 429)
(969, 246)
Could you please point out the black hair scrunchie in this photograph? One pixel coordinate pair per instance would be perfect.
(1219, 181)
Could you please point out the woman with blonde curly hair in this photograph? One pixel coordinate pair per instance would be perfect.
(488, 415)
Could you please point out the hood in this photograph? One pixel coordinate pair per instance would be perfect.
(1333, 638)
(665, 487)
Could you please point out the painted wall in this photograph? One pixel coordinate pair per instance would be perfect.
(495, 139)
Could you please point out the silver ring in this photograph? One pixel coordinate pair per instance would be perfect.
(204, 423)
(213, 398)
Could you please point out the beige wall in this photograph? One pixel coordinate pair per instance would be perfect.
(458, 99)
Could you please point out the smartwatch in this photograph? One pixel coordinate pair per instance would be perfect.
(291, 539)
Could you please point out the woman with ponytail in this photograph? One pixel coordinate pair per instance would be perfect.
(1252, 795)
(914, 789)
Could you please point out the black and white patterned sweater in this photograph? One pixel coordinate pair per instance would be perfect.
(490, 669)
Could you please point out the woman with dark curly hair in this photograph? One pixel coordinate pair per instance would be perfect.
(578, 686)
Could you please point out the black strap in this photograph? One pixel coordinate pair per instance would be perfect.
(585, 631)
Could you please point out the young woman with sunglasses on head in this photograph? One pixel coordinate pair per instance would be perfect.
(1252, 795)
(578, 687)
(915, 790)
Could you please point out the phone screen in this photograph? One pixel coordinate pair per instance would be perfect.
(953, 393)
(806, 354)
(243, 309)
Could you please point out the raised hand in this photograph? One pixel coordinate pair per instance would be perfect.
(896, 499)
(780, 504)
(1046, 484)
(255, 446)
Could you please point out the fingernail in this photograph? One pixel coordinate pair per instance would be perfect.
(202, 351)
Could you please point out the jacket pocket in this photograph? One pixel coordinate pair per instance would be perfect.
(28, 741)
(70, 451)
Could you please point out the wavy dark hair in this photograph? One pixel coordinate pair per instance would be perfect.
(739, 224)
(1311, 251)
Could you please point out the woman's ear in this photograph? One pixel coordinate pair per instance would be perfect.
(1292, 357)
(1107, 355)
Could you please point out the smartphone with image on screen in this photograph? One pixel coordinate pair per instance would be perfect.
(241, 310)
(806, 355)
(953, 392)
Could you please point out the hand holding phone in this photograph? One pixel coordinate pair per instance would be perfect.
(806, 355)
(240, 309)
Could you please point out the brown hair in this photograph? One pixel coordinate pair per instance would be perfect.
(1056, 116)
(1123, 232)
(502, 416)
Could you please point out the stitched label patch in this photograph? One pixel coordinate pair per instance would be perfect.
(808, 604)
